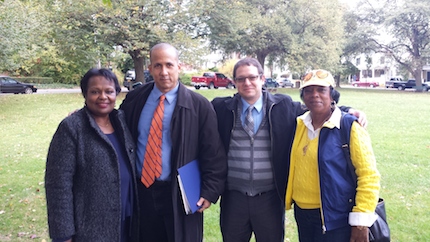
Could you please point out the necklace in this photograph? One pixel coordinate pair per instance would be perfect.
(305, 148)
(316, 127)
(321, 123)
(103, 125)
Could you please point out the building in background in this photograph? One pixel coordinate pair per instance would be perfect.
(380, 67)
(377, 67)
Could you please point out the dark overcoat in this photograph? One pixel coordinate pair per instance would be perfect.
(194, 136)
(82, 179)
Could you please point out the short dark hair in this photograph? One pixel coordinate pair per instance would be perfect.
(335, 94)
(106, 73)
(248, 62)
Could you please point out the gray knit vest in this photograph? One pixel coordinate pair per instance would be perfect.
(249, 166)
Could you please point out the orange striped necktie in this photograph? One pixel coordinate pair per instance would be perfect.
(152, 160)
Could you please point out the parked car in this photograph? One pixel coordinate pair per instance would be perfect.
(130, 79)
(371, 84)
(405, 85)
(390, 83)
(212, 80)
(270, 83)
(285, 82)
(426, 86)
(10, 85)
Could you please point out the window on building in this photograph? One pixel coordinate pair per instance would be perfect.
(357, 61)
(367, 73)
(379, 73)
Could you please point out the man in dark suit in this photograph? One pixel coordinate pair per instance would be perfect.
(189, 132)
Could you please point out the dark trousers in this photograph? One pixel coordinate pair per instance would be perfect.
(156, 212)
(309, 226)
(241, 215)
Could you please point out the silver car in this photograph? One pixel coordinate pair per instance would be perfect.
(285, 82)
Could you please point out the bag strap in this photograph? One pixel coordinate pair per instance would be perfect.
(345, 134)
(380, 230)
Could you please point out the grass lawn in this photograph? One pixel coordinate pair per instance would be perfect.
(399, 128)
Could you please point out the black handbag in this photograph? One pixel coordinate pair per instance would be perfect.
(379, 231)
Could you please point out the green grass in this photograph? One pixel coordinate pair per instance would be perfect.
(399, 127)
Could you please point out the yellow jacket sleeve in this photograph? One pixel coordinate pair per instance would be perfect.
(368, 177)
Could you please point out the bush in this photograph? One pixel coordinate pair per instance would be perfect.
(35, 80)
(296, 76)
(186, 78)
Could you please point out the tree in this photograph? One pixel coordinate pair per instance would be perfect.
(74, 37)
(356, 35)
(22, 35)
(255, 28)
(407, 32)
(138, 25)
(410, 27)
(305, 34)
(318, 36)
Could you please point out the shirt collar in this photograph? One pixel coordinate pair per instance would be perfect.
(332, 122)
(258, 105)
(170, 95)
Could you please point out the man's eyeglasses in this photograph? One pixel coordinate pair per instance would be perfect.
(250, 78)
(321, 74)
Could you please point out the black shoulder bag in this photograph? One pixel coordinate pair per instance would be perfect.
(379, 231)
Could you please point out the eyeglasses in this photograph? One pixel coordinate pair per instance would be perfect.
(250, 78)
(321, 74)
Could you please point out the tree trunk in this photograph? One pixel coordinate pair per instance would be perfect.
(261, 57)
(418, 80)
(138, 61)
(337, 80)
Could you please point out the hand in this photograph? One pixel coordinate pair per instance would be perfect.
(362, 120)
(203, 204)
(359, 235)
(72, 112)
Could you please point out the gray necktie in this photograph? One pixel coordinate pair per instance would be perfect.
(249, 121)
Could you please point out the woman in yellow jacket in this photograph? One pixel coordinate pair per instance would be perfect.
(330, 203)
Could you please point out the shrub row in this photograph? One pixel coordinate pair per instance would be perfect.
(35, 80)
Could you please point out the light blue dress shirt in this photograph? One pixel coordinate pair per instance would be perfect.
(145, 123)
(257, 113)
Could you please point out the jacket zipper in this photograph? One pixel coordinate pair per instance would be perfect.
(323, 227)
(234, 121)
(252, 161)
(269, 118)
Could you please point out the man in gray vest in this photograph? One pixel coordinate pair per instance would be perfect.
(257, 130)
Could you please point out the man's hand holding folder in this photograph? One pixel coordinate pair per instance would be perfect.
(190, 183)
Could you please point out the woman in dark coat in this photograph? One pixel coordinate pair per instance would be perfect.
(89, 180)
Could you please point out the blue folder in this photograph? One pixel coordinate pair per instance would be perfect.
(189, 182)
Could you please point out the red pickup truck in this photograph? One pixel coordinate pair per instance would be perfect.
(212, 80)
